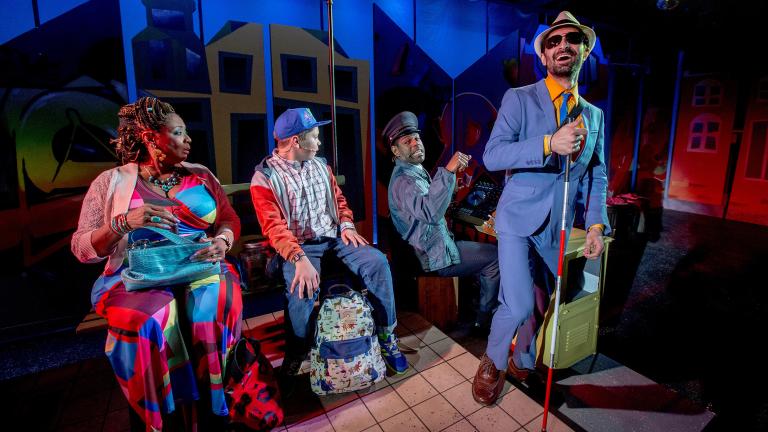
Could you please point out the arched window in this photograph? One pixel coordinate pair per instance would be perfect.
(707, 93)
(705, 134)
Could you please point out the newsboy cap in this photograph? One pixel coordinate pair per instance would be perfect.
(402, 124)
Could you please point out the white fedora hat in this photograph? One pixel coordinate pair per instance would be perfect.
(565, 19)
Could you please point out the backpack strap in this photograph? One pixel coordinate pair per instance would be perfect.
(345, 290)
(244, 353)
(339, 289)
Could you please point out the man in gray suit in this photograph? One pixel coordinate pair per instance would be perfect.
(532, 141)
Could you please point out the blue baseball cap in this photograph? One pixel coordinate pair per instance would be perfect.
(295, 121)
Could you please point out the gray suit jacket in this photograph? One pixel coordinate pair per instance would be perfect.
(534, 186)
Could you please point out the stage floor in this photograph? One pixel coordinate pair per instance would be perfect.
(597, 394)
(681, 309)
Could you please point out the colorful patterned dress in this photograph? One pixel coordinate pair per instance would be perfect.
(149, 329)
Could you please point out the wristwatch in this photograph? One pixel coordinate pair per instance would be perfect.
(297, 257)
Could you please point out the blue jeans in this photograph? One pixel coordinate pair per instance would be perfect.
(365, 261)
(481, 260)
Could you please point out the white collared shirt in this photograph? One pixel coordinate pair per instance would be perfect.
(309, 214)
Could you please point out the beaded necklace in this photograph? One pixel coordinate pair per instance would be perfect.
(167, 184)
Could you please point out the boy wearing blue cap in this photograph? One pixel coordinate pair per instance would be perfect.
(304, 214)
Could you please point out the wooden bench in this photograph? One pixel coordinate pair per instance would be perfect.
(438, 299)
(91, 322)
(94, 322)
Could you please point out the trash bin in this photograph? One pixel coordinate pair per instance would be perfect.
(625, 214)
(254, 257)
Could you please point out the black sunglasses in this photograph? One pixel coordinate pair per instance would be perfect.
(573, 38)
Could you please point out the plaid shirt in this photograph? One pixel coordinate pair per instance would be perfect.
(309, 214)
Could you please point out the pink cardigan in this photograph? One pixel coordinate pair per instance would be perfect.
(110, 194)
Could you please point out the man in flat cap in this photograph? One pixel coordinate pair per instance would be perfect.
(532, 140)
(417, 204)
(304, 214)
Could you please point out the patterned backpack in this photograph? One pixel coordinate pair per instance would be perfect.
(346, 355)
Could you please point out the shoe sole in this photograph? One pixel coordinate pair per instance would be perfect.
(520, 376)
(474, 396)
(383, 354)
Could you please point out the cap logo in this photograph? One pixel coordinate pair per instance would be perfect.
(294, 121)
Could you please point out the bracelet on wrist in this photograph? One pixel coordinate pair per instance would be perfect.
(226, 241)
(119, 224)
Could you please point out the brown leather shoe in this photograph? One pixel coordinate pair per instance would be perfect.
(515, 372)
(488, 382)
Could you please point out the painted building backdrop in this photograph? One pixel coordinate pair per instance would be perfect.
(230, 67)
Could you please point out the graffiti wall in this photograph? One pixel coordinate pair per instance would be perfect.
(68, 76)
(59, 92)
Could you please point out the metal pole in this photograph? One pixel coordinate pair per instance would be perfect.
(638, 130)
(608, 133)
(673, 129)
(200, 20)
(332, 85)
(453, 117)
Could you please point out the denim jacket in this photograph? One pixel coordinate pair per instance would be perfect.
(417, 205)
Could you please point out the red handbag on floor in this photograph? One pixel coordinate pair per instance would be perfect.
(252, 393)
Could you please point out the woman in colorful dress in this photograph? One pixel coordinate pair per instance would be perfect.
(167, 344)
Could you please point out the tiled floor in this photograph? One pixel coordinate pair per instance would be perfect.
(45, 383)
(434, 395)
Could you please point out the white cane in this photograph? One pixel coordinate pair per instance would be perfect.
(553, 338)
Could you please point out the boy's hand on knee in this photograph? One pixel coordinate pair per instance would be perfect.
(305, 278)
(350, 235)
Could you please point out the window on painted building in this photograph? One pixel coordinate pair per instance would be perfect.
(235, 72)
(299, 73)
(707, 93)
(705, 133)
(757, 162)
(762, 90)
(346, 83)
